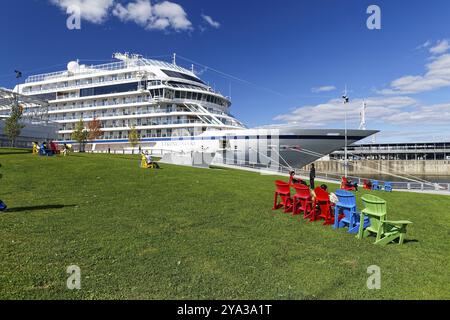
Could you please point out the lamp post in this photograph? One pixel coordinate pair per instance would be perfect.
(345, 100)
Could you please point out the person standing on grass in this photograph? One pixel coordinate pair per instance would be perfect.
(312, 176)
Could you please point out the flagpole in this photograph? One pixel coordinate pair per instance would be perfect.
(345, 149)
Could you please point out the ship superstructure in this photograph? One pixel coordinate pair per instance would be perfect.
(157, 98)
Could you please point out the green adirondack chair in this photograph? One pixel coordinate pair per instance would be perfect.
(385, 230)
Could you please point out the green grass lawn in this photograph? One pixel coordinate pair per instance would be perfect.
(187, 233)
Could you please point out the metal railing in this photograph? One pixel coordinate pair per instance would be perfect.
(398, 185)
(336, 178)
(107, 67)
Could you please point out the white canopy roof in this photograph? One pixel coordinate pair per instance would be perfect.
(9, 97)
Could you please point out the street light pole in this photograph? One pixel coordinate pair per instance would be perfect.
(345, 100)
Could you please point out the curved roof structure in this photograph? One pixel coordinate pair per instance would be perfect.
(37, 109)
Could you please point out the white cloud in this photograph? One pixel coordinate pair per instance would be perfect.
(440, 48)
(434, 114)
(210, 21)
(437, 76)
(160, 16)
(138, 12)
(173, 14)
(95, 11)
(323, 89)
(424, 45)
(333, 111)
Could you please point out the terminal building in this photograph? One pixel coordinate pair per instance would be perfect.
(37, 126)
(396, 151)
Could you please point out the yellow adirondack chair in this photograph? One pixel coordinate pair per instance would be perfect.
(35, 148)
(144, 164)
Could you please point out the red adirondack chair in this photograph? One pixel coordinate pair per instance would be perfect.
(345, 186)
(54, 147)
(284, 192)
(302, 201)
(322, 206)
(367, 185)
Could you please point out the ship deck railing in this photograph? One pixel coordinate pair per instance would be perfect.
(107, 67)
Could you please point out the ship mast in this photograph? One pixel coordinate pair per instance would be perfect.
(174, 59)
(362, 125)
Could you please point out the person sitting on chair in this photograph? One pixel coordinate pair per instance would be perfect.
(65, 151)
(333, 198)
(292, 179)
(150, 161)
(352, 184)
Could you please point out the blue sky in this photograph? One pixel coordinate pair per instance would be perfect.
(295, 56)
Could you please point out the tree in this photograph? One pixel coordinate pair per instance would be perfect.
(94, 128)
(133, 137)
(13, 127)
(80, 134)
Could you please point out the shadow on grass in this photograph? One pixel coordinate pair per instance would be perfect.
(37, 208)
(411, 241)
(136, 157)
(14, 152)
(78, 155)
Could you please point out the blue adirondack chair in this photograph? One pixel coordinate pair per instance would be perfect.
(45, 152)
(388, 186)
(347, 206)
(3, 206)
(376, 185)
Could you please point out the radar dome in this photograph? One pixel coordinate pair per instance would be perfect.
(73, 66)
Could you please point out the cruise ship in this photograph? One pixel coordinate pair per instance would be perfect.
(174, 113)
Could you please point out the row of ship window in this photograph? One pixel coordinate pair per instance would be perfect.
(123, 87)
(148, 122)
(126, 111)
(139, 122)
(74, 83)
(151, 133)
(101, 103)
(154, 94)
